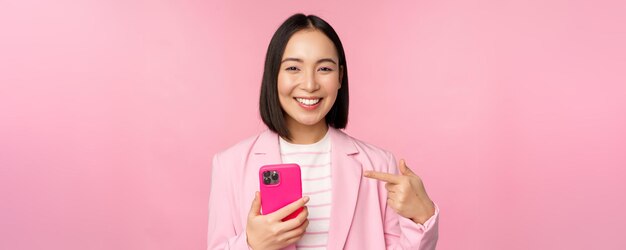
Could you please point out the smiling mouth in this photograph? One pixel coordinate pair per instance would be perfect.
(308, 101)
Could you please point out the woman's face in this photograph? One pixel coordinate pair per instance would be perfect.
(309, 78)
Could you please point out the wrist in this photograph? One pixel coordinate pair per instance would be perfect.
(429, 212)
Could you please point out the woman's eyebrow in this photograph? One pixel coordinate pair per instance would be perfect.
(300, 60)
(327, 60)
(291, 59)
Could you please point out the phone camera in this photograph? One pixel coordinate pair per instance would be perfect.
(270, 177)
(267, 180)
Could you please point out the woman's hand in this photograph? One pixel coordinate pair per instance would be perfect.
(269, 231)
(406, 193)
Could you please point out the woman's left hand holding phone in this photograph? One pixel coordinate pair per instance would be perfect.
(269, 231)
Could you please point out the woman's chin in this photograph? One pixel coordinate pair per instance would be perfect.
(308, 122)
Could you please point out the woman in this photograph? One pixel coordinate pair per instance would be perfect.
(354, 196)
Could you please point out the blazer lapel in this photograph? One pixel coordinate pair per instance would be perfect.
(266, 149)
(346, 175)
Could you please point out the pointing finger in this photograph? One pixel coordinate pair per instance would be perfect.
(390, 178)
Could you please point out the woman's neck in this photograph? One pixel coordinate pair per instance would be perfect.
(303, 134)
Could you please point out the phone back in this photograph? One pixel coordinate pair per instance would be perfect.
(280, 185)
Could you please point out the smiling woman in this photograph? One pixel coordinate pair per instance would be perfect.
(356, 196)
(305, 52)
(308, 82)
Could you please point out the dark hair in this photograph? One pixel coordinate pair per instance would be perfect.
(271, 111)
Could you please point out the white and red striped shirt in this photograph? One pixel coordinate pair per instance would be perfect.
(314, 161)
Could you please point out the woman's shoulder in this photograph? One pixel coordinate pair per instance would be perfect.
(242, 146)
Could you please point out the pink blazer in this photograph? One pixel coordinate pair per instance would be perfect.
(360, 218)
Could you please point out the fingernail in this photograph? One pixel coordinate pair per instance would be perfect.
(306, 199)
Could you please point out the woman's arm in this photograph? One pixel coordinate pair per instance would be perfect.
(409, 222)
(403, 233)
(222, 210)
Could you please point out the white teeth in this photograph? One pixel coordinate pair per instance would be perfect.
(308, 102)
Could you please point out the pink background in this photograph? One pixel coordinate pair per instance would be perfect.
(513, 113)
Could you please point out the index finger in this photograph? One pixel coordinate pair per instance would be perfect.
(386, 177)
(292, 207)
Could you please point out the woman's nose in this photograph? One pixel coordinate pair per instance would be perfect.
(309, 83)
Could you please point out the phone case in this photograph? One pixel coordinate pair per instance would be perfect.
(286, 191)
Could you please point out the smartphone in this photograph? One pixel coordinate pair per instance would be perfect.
(280, 185)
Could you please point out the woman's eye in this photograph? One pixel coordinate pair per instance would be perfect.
(292, 68)
(325, 69)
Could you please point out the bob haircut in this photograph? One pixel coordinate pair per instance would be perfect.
(272, 113)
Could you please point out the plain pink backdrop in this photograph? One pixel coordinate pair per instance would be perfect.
(513, 113)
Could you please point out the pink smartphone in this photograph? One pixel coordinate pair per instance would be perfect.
(280, 186)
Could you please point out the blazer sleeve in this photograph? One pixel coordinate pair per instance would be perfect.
(222, 210)
(403, 233)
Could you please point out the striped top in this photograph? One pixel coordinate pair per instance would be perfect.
(314, 161)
